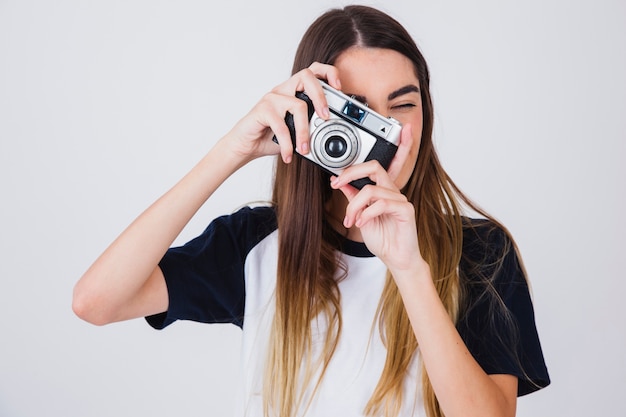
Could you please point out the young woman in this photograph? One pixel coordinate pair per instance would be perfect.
(383, 301)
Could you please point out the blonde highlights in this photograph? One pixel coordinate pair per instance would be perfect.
(308, 269)
(306, 290)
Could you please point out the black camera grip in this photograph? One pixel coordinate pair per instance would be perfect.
(383, 152)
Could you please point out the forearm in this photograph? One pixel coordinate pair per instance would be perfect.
(461, 385)
(125, 281)
(119, 275)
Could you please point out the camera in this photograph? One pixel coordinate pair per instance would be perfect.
(352, 134)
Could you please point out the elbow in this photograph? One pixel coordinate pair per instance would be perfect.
(89, 307)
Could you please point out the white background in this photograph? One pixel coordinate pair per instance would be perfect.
(106, 104)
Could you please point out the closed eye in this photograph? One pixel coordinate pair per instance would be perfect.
(404, 106)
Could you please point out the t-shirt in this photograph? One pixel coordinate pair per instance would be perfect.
(228, 275)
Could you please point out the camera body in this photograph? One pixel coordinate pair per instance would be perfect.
(353, 134)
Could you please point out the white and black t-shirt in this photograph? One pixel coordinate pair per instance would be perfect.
(228, 275)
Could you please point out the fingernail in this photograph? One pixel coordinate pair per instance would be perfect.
(334, 180)
(326, 112)
(304, 148)
(287, 159)
(345, 222)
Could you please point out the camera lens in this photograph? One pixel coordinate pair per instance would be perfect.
(336, 146)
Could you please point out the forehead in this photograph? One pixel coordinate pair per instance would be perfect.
(371, 71)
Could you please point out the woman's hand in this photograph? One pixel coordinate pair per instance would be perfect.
(252, 136)
(125, 281)
(383, 214)
(387, 224)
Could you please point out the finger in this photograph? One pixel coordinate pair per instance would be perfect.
(348, 190)
(370, 169)
(326, 72)
(400, 210)
(300, 114)
(272, 110)
(304, 80)
(281, 131)
(368, 196)
(403, 152)
(307, 81)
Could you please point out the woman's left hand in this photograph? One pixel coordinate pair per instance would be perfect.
(383, 214)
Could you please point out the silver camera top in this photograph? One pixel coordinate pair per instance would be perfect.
(348, 108)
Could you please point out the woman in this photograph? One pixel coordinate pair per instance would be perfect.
(380, 301)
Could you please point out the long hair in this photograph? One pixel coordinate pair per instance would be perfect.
(307, 287)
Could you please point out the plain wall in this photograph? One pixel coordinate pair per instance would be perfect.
(104, 105)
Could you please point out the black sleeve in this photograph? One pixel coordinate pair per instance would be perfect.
(205, 277)
(497, 321)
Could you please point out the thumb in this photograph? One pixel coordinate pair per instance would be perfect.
(404, 147)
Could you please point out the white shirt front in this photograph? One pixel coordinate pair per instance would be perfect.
(357, 364)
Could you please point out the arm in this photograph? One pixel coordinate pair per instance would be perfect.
(125, 281)
(462, 387)
(386, 221)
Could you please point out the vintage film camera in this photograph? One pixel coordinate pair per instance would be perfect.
(353, 134)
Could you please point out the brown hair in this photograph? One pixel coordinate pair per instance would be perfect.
(307, 268)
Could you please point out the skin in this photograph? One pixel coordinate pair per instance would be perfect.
(125, 281)
(385, 221)
(394, 93)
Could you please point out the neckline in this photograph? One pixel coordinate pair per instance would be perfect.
(351, 247)
(356, 249)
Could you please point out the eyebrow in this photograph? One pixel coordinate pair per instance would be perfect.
(399, 92)
(404, 90)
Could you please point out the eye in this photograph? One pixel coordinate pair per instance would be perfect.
(403, 106)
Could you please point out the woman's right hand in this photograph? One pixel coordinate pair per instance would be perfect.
(251, 137)
(125, 281)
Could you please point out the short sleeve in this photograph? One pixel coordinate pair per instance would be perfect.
(205, 277)
(497, 321)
